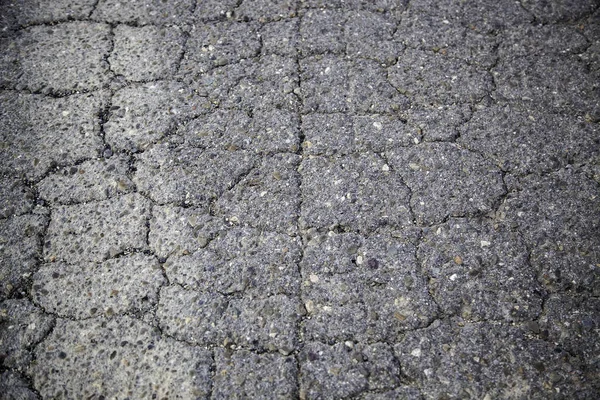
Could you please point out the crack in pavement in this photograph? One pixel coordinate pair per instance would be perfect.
(299, 199)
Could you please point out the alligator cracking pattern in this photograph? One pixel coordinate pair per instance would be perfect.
(300, 199)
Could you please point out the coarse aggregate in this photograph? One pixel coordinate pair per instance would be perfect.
(300, 199)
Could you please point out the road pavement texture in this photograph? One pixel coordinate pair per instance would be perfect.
(300, 199)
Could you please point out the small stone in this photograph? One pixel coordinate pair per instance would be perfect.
(458, 260)
(399, 317)
(310, 306)
(107, 153)
(533, 326)
(286, 351)
(202, 241)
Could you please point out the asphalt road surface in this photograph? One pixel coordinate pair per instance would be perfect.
(300, 199)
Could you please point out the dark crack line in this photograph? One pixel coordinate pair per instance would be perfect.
(94, 8)
(53, 94)
(300, 152)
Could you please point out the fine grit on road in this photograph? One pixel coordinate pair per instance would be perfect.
(299, 199)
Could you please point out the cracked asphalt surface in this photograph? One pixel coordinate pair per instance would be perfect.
(300, 199)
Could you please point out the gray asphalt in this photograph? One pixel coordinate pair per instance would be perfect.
(300, 199)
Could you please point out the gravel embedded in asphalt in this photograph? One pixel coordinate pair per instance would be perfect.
(300, 199)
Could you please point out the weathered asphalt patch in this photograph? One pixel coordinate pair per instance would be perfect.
(143, 113)
(124, 357)
(446, 180)
(97, 231)
(81, 66)
(125, 284)
(91, 180)
(362, 289)
(39, 132)
(22, 326)
(146, 53)
(20, 250)
(308, 199)
(354, 184)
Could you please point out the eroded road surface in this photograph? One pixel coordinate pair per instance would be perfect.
(300, 199)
